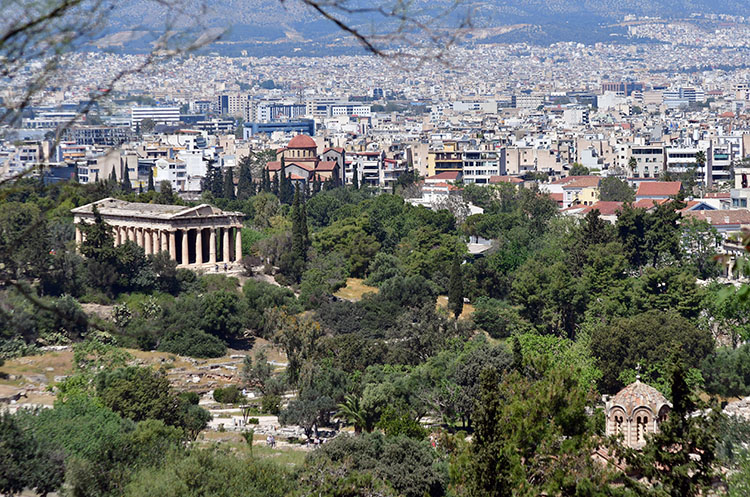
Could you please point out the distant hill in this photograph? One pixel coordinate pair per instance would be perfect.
(272, 27)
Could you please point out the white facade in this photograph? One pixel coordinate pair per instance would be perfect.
(160, 115)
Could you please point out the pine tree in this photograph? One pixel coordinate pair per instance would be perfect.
(151, 187)
(229, 185)
(456, 289)
(127, 187)
(245, 187)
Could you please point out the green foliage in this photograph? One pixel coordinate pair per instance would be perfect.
(26, 460)
(456, 289)
(349, 238)
(727, 371)
(394, 424)
(613, 189)
(211, 472)
(648, 339)
(260, 297)
(408, 466)
(578, 170)
(228, 395)
(220, 314)
(498, 318)
(192, 342)
(138, 393)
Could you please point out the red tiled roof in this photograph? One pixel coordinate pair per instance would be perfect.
(335, 149)
(276, 165)
(658, 188)
(326, 165)
(606, 208)
(568, 179)
(557, 197)
(505, 179)
(446, 175)
(722, 217)
(649, 203)
(584, 182)
(302, 141)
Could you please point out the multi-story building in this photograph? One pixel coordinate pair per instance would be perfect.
(232, 104)
(110, 136)
(649, 161)
(740, 194)
(480, 165)
(160, 115)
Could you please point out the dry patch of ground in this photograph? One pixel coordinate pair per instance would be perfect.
(442, 303)
(354, 290)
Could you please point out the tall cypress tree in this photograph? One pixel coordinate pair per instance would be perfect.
(127, 187)
(355, 176)
(217, 184)
(229, 184)
(303, 226)
(456, 289)
(151, 187)
(275, 184)
(245, 187)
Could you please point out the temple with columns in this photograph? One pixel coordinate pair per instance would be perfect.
(193, 236)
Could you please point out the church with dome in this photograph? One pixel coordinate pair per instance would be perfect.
(303, 165)
(635, 411)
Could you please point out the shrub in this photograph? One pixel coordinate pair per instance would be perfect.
(228, 395)
(252, 421)
(192, 342)
(271, 404)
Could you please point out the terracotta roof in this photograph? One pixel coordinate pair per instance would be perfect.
(505, 179)
(637, 395)
(649, 203)
(557, 197)
(584, 182)
(326, 165)
(335, 149)
(722, 217)
(446, 175)
(302, 141)
(276, 165)
(606, 208)
(568, 179)
(658, 188)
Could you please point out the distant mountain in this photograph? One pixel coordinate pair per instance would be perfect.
(266, 27)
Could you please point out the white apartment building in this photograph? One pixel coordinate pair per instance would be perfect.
(160, 115)
(480, 165)
(649, 161)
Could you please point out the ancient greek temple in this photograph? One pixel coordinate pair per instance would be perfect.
(193, 236)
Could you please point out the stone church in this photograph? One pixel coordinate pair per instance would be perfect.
(635, 411)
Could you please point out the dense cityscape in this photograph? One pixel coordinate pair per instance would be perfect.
(502, 268)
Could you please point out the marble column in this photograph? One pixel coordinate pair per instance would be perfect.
(163, 239)
(199, 246)
(79, 235)
(148, 245)
(185, 251)
(173, 245)
(142, 238)
(225, 245)
(131, 234)
(212, 246)
(238, 244)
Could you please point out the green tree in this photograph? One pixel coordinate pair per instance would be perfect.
(229, 184)
(245, 185)
(151, 187)
(615, 189)
(647, 339)
(221, 314)
(578, 170)
(25, 460)
(456, 289)
(127, 186)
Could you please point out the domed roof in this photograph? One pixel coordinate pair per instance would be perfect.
(301, 141)
(637, 395)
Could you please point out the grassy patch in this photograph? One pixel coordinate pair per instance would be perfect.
(442, 302)
(354, 290)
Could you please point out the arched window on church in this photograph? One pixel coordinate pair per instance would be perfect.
(618, 425)
(638, 431)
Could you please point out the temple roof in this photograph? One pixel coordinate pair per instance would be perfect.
(115, 207)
